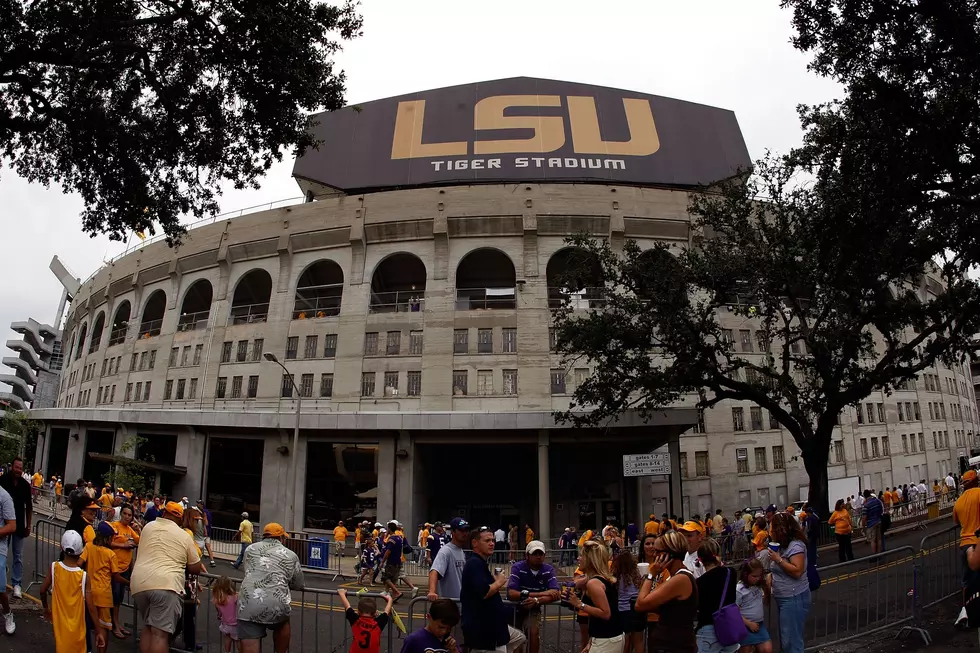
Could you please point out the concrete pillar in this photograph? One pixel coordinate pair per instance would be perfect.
(676, 491)
(75, 460)
(191, 449)
(386, 478)
(544, 487)
(41, 451)
(404, 478)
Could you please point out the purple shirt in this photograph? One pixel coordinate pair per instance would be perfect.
(422, 641)
(522, 578)
(394, 549)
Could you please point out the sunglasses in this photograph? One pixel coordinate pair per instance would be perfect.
(483, 529)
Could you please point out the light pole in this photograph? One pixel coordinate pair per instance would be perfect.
(269, 356)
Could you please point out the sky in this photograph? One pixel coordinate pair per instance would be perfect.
(734, 55)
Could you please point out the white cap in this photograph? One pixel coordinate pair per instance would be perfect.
(71, 543)
(534, 545)
(245, 515)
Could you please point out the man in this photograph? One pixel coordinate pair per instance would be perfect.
(694, 532)
(271, 570)
(423, 540)
(90, 490)
(871, 520)
(206, 514)
(446, 575)
(605, 530)
(632, 532)
(747, 521)
(652, 526)
(566, 543)
(966, 515)
(166, 554)
(20, 493)
(8, 527)
(485, 619)
(500, 543)
(244, 535)
(153, 511)
(434, 544)
(950, 483)
(534, 583)
(340, 538)
(391, 560)
(36, 481)
(923, 493)
(717, 522)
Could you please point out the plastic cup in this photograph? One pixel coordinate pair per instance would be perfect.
(644, 568)
(774, 547)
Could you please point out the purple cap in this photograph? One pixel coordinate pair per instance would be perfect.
(105, 528)
(459, 524)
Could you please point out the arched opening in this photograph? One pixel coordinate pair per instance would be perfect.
(153, 312)
(319, 291)
(574, 274)
(97, 329)
(71, 347)
(250, 302)
(81, 341)
(120, 324)
(485, 278)
(658, 273)
(196, 307)
(398, 284)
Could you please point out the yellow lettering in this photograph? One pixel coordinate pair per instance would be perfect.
(407, 140)
(586, 139)
(549, 131)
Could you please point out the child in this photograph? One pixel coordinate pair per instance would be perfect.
(225, 600)
(72, 594)
(435, 637)
(750, 596)
(369, 555)
(365, 624)
(102, 568)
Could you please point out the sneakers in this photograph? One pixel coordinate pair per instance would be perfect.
(213, 563)
(961, 620)
(8, 623)
(17, 592)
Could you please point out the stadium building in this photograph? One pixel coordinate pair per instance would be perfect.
(381, 347)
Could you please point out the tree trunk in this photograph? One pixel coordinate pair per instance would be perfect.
(815, 459)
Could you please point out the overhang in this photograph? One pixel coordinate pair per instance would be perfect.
(153, 467)
(26, 352)
(21, 368)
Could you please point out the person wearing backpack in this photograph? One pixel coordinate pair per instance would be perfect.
(716, 604)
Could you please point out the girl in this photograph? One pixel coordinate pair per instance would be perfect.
(600, 602)
(751, 594)
(369, 556)
(841, 521)
(225, 600)
(102, 569)
(716, 588)
(624, 568)
(676, 600)
(124, 542)
(790, 586)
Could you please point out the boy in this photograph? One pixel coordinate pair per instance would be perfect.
(71, 597)
(435, 637)
(365, 624)
(369, 557)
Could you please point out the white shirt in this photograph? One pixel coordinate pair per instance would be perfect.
(898, 490)
(950, 483)
(922, 489)
(858, 502)
(693, 564)
(499, 535)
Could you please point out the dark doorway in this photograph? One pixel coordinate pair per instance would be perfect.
(234, 481)
(97, 471)
(58, 453)
(341, 483)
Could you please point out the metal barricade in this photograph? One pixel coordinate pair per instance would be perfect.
(941, 566)
(47, 547)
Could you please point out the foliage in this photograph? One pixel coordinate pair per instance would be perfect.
(132, 476)
(143, 108)
(21, 439)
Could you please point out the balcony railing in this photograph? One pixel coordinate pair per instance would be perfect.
(118, 336)
(249, 313)
(398, 301)
(96, 342)
(193, 321)
(471, 299)
(579, 300)
(316, 307)
(150, 328)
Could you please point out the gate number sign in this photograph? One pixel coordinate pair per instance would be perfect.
(646, 464)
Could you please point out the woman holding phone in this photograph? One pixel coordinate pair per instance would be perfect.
(676, 600)
(600, 601)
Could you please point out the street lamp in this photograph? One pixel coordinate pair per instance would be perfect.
(269, 356)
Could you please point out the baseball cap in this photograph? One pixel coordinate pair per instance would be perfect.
(105, 528)
(459, 524)
(91, 505)
(693, 527)
(969, 475)
(174, 508)
(534, 545)
(245, 515)
(790, 509)
(273, 530)
(71, 543)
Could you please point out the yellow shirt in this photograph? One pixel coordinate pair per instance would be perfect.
(58, 489)
(246, 528)
(760, 540)
(123, 533)
(529, 536)
(105, 501)
(88, 535)
(37, 479)
(424, 537)
(100, 563)
(339, 534)
(374, 533)
(841, 521)
(357, 536)
(68, 607)
(966, 513)
(165, 552)
(586, 536)
(652, 527)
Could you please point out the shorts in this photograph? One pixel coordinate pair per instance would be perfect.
(527, 620)
(517, 640)
(200, 544)
(873, 533)
(231, 631)
(119, 590)
(3, 573)
(357, 546)
(756, 638)
(633, 621)
(606, 644)
(252, 630)
(390, 573)
(105, 616)
(969, 576)
(160, 609)
(341, 545)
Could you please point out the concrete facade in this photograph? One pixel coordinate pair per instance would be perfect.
(161, 369)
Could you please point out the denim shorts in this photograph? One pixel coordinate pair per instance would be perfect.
(708, 642)
(3, 572)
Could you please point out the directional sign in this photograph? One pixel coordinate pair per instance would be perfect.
(646, 464)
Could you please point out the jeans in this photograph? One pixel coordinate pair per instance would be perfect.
(17, 555)
(792, 616)
(708, 642)
(845, 551)
(241, 555)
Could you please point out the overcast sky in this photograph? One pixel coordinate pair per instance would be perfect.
(734, 55)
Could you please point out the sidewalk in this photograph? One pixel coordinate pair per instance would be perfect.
(937, 621)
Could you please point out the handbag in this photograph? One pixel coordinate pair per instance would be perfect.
(729, 627)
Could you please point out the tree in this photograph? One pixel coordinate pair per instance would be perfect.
(837, 309)
(133, 475)
(19, 439)
(144, 108)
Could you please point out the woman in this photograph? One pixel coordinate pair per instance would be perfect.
(625, 570)
(600, 602)
(841, 521)
(790, 586)
(191, 587)
(124, 544)
(675, 600)
(716, 588)
(614, 540)
(512, 542)
(82, 519)
(648, 554)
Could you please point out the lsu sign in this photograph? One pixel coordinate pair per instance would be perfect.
(521, 130)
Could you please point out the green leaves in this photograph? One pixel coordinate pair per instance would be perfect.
(145, 108)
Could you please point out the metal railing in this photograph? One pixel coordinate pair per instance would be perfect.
(398, 301)
(581, 300)
(318, 307)
(249, 313)
(193, 321)
(470, 299)
(118, 336)
(150, 328)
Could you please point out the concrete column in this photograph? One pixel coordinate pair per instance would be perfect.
(544, 487)
(41, 451)
(386, 478)
(191, 449)
(75, 460)
(676, 491)
(404, 478)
